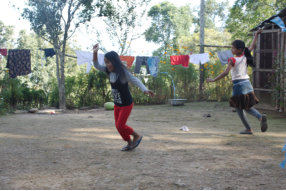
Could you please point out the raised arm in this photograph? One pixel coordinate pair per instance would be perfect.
(251, 47)
(95, 60)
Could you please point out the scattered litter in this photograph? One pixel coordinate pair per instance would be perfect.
(184, 128)
(90, 116)
(179, 183)
(50, 111)
(20, 111)
(207, 115)
(233, 110)
(33, 110)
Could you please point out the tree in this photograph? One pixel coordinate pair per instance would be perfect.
(247, 14)
(168, 22)
(6, 33)
(56, 22)
(125, 24)
(214, 12)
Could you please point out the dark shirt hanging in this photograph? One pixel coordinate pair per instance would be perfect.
(19, 62)
(49, 52)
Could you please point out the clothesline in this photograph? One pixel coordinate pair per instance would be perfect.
(19, 60)
(218, 46)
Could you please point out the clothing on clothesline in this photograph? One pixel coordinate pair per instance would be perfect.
(224, 56)
(84, 57)
(3, 52)
(152, 62)
(180, 59)
(199, 58)
(278, 21)
(128, 59)
(19, 62)
(141, 60)
(49, 52)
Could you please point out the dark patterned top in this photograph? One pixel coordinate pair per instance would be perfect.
(19, 62)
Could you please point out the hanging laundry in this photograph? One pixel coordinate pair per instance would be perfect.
(49, 52)
(180, 59)
(84, 57)
(19, 62)
(278, 21)
(153, 65)
(3, 52)
(224, 56)
(141, 60)
(128, 59)
(199, 58)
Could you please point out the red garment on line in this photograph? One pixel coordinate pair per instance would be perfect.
(121, 115)
(3, 52)
(180, 59)
(128, 59)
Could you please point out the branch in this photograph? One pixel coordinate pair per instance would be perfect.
(68, 37)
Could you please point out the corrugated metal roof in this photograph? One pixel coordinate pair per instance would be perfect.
(267, 23)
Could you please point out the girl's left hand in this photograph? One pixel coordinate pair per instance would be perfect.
(149, 92)
(259, 31)
(210, 80)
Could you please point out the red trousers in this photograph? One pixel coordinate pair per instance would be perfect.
(121, 115)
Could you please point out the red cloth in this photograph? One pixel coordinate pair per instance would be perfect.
(3, 52)
(128, 59)
(180, 59)
(121, 115)
(233, 60)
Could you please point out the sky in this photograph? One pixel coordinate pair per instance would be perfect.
(10, 15)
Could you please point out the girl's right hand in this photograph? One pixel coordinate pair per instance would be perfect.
(95, 48)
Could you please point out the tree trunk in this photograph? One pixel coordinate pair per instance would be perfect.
(61, 78)
(202, 36)
(58, 71)
(62, 100)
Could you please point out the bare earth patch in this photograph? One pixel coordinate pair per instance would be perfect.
(81, 150)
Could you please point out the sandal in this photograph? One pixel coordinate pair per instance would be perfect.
(263, 123)
(136, 143)
(246, 132)
(126, 148)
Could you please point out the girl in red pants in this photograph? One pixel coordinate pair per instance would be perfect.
(119, 77)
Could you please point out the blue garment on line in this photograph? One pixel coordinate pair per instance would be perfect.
(278, 21)
(241, 87)
(224, 56)
(153, 65)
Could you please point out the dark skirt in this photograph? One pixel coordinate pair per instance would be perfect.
(243, 96)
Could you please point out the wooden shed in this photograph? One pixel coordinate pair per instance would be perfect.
(269, 80)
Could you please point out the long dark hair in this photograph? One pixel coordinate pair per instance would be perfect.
(239, 44)
(120, 69)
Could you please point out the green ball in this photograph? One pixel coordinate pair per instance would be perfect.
(109, 105)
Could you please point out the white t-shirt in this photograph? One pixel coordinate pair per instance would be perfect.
(239, 68)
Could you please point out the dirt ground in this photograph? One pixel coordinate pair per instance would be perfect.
(81, 150)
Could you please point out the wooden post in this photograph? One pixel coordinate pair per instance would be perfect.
(277, 100)
(256, 80)
(282, 70)
(202, 36)
(284, 67)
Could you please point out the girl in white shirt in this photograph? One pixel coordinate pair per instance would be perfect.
(243, 97)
